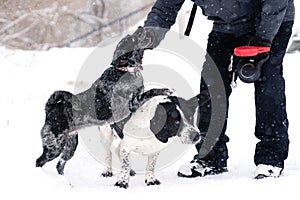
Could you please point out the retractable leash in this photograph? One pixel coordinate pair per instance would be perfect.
(252, 59)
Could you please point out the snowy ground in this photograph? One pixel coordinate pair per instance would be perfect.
(28, 78)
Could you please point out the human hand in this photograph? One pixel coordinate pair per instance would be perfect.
(252, 58)
(257, 41)
(130, 50)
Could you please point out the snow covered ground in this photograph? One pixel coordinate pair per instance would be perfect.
(28, 78)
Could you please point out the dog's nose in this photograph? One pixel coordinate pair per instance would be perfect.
(195, 137)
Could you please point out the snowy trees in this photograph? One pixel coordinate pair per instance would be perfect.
(42, 24)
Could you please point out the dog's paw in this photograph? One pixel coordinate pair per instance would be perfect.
(39, 162)
(107, 174)
(169, 92)
(60, 171)
(122, 184)
(132, 173)
(60, 168)
(166, 91)
(152, 182)
(150, 179)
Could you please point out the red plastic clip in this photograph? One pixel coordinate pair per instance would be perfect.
(248, 51)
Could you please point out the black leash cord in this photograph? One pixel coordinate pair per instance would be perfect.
(191, 20)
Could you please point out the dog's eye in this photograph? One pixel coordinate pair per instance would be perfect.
(174, 114)
(177, 122)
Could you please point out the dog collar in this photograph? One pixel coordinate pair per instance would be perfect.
(129, 69)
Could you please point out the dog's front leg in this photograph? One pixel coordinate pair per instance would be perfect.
(150, 178)
(123, 180)
(140, 99)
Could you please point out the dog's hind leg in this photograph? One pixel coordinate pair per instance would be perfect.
(49, 153)
(150, 177)
(67, 153)
(52, 146)
(106, 138)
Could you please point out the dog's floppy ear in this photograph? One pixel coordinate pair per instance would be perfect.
(166, 121)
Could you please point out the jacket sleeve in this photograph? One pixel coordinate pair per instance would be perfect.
(164, 13)
(272, 15)
(161, 17)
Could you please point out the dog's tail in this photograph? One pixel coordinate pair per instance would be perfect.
(60, 97)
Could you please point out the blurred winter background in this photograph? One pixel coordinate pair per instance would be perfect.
(43, 45)
(42, 24)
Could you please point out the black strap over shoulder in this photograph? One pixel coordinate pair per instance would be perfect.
(191, 20)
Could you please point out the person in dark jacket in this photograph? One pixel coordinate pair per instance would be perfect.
(237, 23)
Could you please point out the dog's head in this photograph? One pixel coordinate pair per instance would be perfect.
(171, 119)
(128, 54)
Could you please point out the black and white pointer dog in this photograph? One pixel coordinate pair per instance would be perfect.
(152, 127)
(110, 99)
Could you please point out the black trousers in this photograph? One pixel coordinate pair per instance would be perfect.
(270, 101)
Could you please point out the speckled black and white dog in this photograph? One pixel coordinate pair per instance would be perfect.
(150, 129)
(110, 99)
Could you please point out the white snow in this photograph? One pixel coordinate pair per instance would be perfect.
(28, 78)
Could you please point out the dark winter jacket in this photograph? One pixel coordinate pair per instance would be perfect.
(230, 16)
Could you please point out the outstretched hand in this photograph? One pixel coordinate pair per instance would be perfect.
(129, 51)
